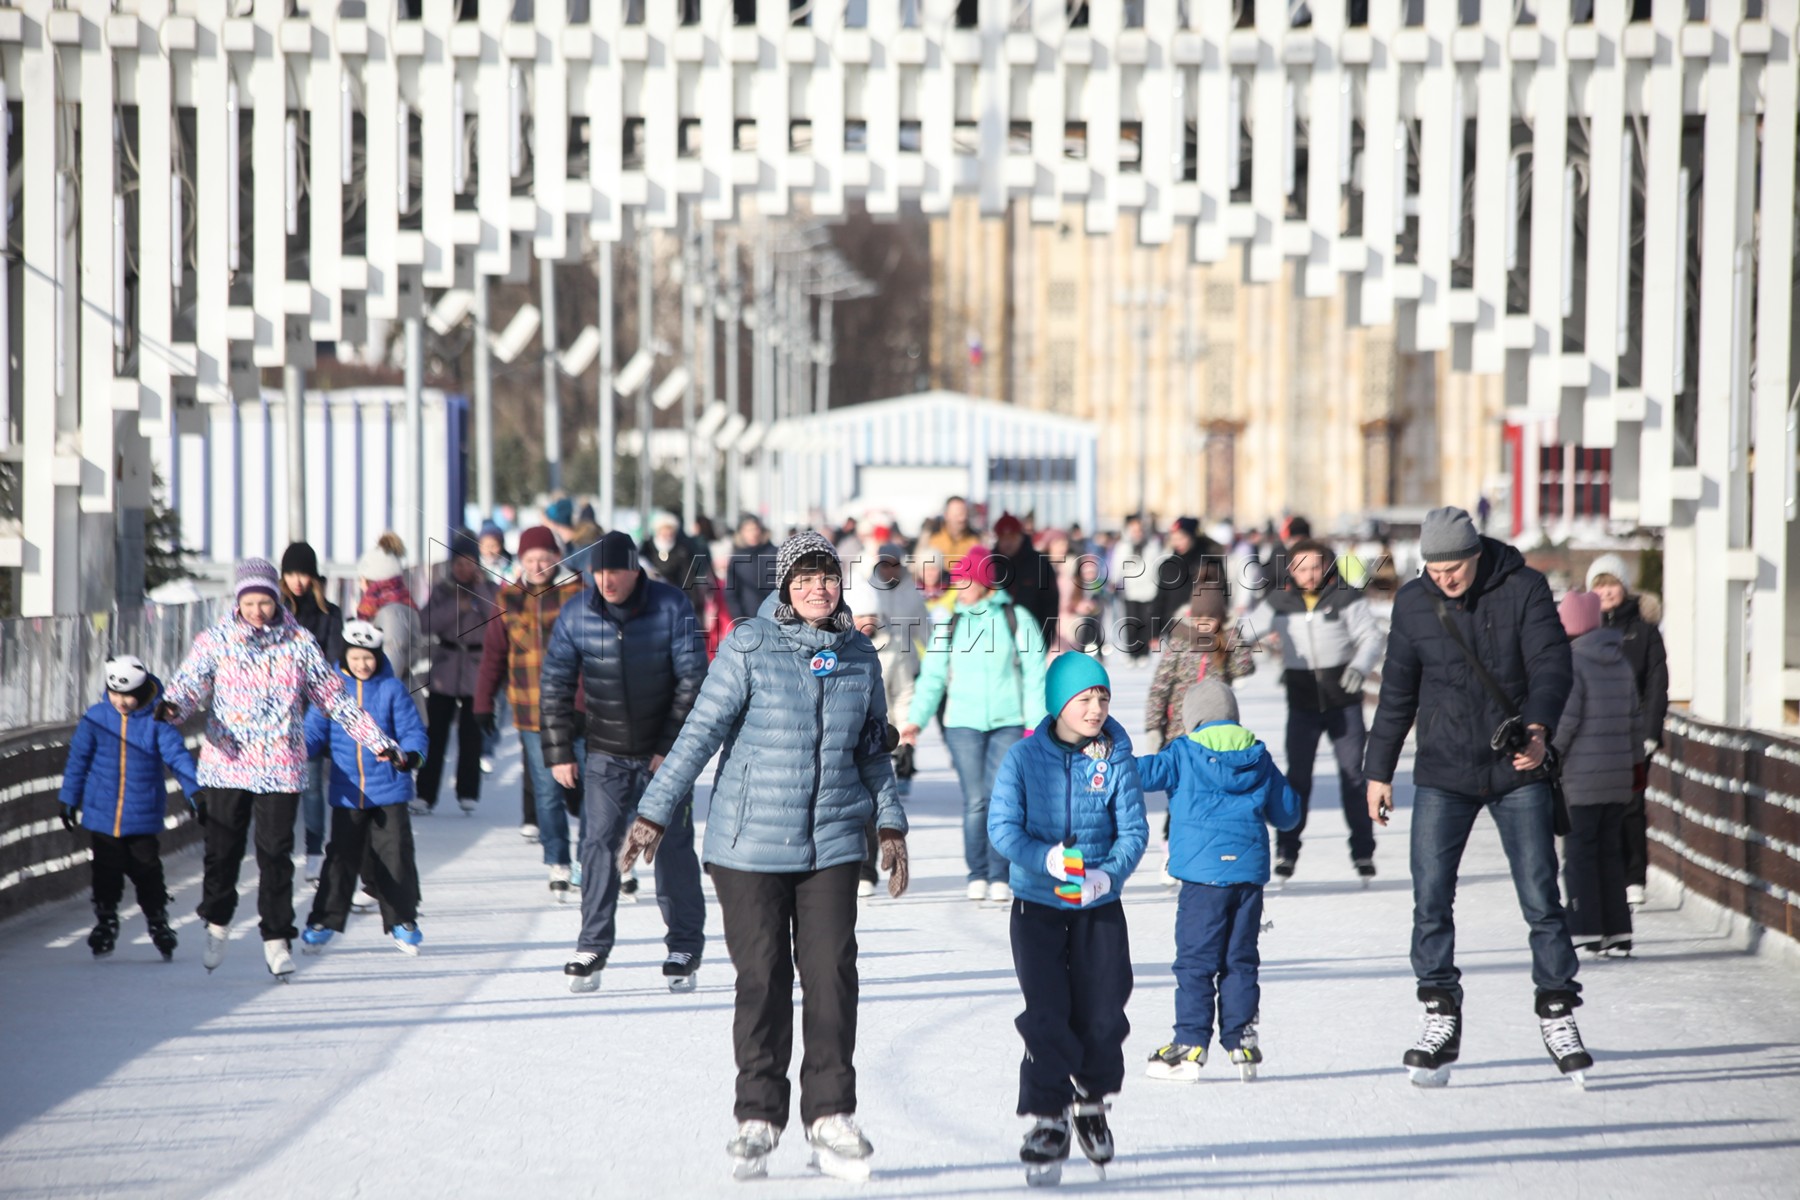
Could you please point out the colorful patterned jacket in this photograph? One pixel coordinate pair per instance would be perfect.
(527, 618)
(258, 682)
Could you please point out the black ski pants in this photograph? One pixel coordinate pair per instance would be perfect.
(135, 857)
(1074, 967)
(442, 711)
(1634, 829)
(229, 812)
(379, 838)
(1344, 726)
(1594, 875)
(774, 923)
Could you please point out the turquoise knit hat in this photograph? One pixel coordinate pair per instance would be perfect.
(1070, 675)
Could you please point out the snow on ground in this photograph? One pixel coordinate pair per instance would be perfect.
(472, 1072)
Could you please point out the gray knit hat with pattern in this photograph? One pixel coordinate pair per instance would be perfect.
(805, 545)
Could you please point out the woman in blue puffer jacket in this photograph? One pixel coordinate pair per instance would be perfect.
(371, 829)
(795, 701)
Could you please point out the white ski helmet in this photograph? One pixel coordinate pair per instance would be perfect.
(362, 635)
(125, 673)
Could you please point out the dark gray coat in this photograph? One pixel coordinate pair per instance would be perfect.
(1601, 725)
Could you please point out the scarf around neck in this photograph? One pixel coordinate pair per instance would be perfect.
(381, 593)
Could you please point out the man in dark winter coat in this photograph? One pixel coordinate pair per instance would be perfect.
(1028, 577)
(635, 645)
(1476, 593)
(1193, 559)
(751, 577)
(1642, 645)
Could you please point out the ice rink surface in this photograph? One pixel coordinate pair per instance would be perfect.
(472, 1071)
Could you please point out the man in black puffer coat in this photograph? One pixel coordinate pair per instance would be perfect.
(1503, 612)
(635, 644)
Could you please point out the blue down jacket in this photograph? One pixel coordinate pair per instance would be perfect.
(1224, 792)
(801, 716)
(1047, 793)
(358, 778)
(114, 773)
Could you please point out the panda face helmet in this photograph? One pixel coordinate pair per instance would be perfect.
(127, 682)
(362, 648)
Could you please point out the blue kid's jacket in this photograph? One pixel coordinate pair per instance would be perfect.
(1224, 791)
(114, 773)
(358, 778)
(1046, 794)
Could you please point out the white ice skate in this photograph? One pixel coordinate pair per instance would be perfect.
(839, 1148)
(978, 890)
(1000, 893)
(279, 958)
(214, 954)
(467, 805)
(1045, 1150)
(1247, 1055)
(865, 888)
(529, 832)
(362, 901)
(750, 1149)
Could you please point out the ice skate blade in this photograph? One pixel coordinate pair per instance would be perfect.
(1183, 1073)
(683, 983)
(1579, 1079)
(749, 1168)
(581, 986)
(852, 1170)
(1429, 1077)
(1043, 1174)
(1247, 1071)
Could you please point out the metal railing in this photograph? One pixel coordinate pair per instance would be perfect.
(53, 668)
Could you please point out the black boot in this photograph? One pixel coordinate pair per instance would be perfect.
(161, 935)
(1439, 1042)
(1556, 1021)
(106, 930)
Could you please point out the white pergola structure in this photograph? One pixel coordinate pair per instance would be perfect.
(170, 157)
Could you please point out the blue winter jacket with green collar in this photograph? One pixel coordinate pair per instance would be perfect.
(1047, 794)
(1224, 792)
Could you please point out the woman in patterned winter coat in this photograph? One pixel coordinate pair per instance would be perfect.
(257, 670)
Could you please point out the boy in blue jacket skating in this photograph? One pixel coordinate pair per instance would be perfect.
(1067, 810)
(368, 799)
(113, 787)
(1224, 791)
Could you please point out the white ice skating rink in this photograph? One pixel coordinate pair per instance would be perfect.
(473, 1072)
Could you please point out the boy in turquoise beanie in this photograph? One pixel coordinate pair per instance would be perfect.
(1224, 791)
(1068, 814)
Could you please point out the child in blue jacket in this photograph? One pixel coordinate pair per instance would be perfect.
(1070, 787)
(113, 787)
(368, 799)
(1224, 791)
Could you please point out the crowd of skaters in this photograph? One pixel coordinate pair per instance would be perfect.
(625, 664)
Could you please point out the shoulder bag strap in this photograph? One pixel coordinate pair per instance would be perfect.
(1481, 672)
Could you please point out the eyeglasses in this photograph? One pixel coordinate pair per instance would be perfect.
(806, 583)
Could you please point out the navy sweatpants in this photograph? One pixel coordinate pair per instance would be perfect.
(1216, 928)
(1074, 966)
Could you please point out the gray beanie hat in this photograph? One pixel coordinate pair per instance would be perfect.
(1449, 535)
(803, 545)
(1209, 700)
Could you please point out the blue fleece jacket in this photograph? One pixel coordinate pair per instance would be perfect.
(114, 772)
(358, 778)
(1050, 795)
(1224, 791)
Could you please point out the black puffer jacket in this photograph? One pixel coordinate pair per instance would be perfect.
(1031, 581)
(327, 625)
(1510, 621)
(1178, 574)
(641, 663)
(1642, 645)
(687, 565)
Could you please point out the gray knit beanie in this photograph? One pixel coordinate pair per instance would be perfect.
(802, 546)
(1209, 700)
(1449, 536)
(257, 575)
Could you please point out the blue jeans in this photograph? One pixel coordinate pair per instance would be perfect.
(312, 802)
(976, 754)
(1441, 822)
(1216, 958)
(552, 816)
(614, 787)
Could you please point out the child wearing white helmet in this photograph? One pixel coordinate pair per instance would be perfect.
(368, 800)
(113, 787)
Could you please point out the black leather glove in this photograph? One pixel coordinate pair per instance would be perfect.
(413, 761)
(167, 713)
(903, 763)
(71, 817)
(572, 800)
(490, 725)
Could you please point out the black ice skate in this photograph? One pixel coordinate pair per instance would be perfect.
(1088, 1118)
(1428, 1062)
(682, 970)
(1556, 1021)
(1045, 1150)
(161, 936)
(583, 971)
(1365, 870)
(1284, 871)
(106, 931)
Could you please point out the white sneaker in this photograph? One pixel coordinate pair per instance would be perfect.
(865, 888)
(978, 890)
(216, 937)
(418, 808)
(1000, 893)
(487, 765)
(529, 832)
(839, 1148)
(280, 960)
(362, 902)
(467, 805)
(1634, 895)
(315, 863)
